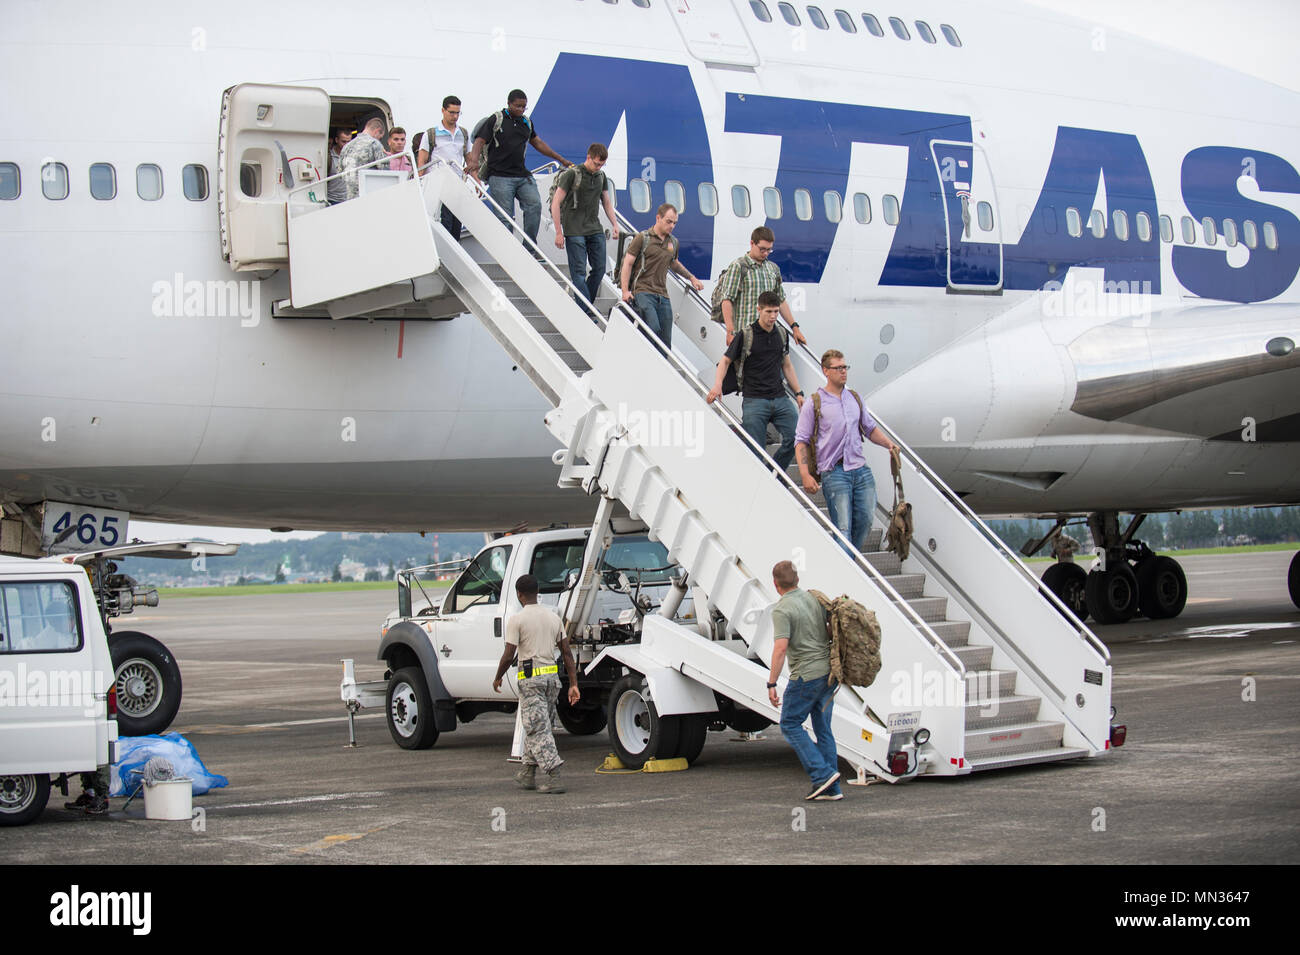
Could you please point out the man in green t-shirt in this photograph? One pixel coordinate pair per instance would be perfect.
(801, 637)
(580, 191)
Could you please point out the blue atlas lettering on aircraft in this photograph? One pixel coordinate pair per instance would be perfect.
(816, 146)
(1211, 177)
(1081, 160)
(584, 100)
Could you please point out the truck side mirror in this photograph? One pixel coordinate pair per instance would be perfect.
(403, 597)
(571, 579)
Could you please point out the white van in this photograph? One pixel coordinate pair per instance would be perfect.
(57, 699)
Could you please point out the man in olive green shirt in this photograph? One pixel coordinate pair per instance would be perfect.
(801, 637)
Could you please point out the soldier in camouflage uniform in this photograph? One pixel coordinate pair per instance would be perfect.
(365, 149)
(534, 633)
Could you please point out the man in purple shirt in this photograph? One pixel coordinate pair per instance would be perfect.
(834, 453)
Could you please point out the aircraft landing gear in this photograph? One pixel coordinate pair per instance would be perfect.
(1293, 579)
(1134, 578)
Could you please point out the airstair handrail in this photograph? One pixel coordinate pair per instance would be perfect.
(315, 205)
(810, 361)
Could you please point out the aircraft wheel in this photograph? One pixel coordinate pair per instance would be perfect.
(636, 729)
(1112, 594)
(1162, 588)
(1070, 583)
(1293, 579)
(148, 683)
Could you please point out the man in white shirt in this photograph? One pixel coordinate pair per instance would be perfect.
(449, 143)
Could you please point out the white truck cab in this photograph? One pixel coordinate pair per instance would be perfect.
(57, 706)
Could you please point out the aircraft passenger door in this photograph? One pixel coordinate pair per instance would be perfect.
(273, 139)
(971, 214)
(713, 32)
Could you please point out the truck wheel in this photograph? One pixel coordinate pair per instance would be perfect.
(694, 730)
(410, 710)
(23, 798)
(741, 718)
(582, 720)
(148, 683)
(636, 729)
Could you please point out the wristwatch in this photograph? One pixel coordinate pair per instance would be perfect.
(799, 394)
(771, 686)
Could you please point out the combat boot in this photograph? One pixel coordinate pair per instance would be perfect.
(551, 782)
(527, 777)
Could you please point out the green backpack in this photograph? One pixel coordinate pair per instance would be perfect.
(734, 379)
(855, 639)
(640, 259)
(499, 118)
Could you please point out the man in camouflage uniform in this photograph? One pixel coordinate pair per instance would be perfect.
(534, 633)
(365, 149)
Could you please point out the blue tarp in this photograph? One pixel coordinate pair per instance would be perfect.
(134, 751)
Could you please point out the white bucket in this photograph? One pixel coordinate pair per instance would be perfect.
(169, 799)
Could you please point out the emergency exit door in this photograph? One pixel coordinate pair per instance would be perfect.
(974, 227)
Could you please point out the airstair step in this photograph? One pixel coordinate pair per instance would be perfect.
(1014, 739)
(1003, 711)
(971, 657)
(907, 585)
(985, 685)
(1024, 759)
(886, 563)
(930, 609)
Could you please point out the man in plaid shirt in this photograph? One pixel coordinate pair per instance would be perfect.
(748, 277)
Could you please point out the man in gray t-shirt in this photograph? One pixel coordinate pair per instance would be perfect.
(801, 636)
(533, 634)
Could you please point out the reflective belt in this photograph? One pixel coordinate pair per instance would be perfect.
(538, 671)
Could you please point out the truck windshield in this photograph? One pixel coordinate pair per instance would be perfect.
(553, 560)
(642, 557)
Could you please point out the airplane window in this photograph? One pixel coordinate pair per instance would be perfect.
(708, 199)
(1119, 219)
(1097, 224)
(789, 13)
(834, 205)
(194, 182)
(772, 202)
(760, 10)
(1210, 230)
(900, 28)
(1189, 230)
(818, 18)
(984, 211)
(103, 180)
(639, 190)
(1166, 229)
(148, 182)
(675, 193)
(250, 179)
(54, 180)
(10, 181)
(890, 206)
(803, 204)
(862, 207)
(1249, 234)
(927, 34)
(1049, 220)
(873, 25)
(950, 35)
(1270, 236)
(740, 201)
(1143, 227)
(1229, 232)
(1073, 224)
(846, 21)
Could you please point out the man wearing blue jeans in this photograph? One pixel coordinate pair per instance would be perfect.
(801, 637)
(506, 136)
(761, 353)
(580, 191)
(828, 442)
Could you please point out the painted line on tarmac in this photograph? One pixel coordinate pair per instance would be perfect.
(327, 797)
(208, 728)
(253, 663)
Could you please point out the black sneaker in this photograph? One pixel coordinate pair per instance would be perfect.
(822, 786)
(81, 802)
(97, 806)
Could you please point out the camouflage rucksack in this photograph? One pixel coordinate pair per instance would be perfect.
(855, 639)
(899, 532)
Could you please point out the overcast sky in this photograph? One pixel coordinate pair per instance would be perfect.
(1255, 36)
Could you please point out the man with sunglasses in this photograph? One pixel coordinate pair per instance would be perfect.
(748, 277)
(828, 445)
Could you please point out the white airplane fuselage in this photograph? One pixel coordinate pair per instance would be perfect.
(1036, 370)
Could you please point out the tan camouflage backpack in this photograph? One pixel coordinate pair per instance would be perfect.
(899, 532)
(855, 639)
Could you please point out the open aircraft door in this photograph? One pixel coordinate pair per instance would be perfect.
(974, 225)
(273, 139)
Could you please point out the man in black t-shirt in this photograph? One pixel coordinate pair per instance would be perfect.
(506, 136)
(761, 354)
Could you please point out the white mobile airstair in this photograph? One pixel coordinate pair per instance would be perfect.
(975, 650)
